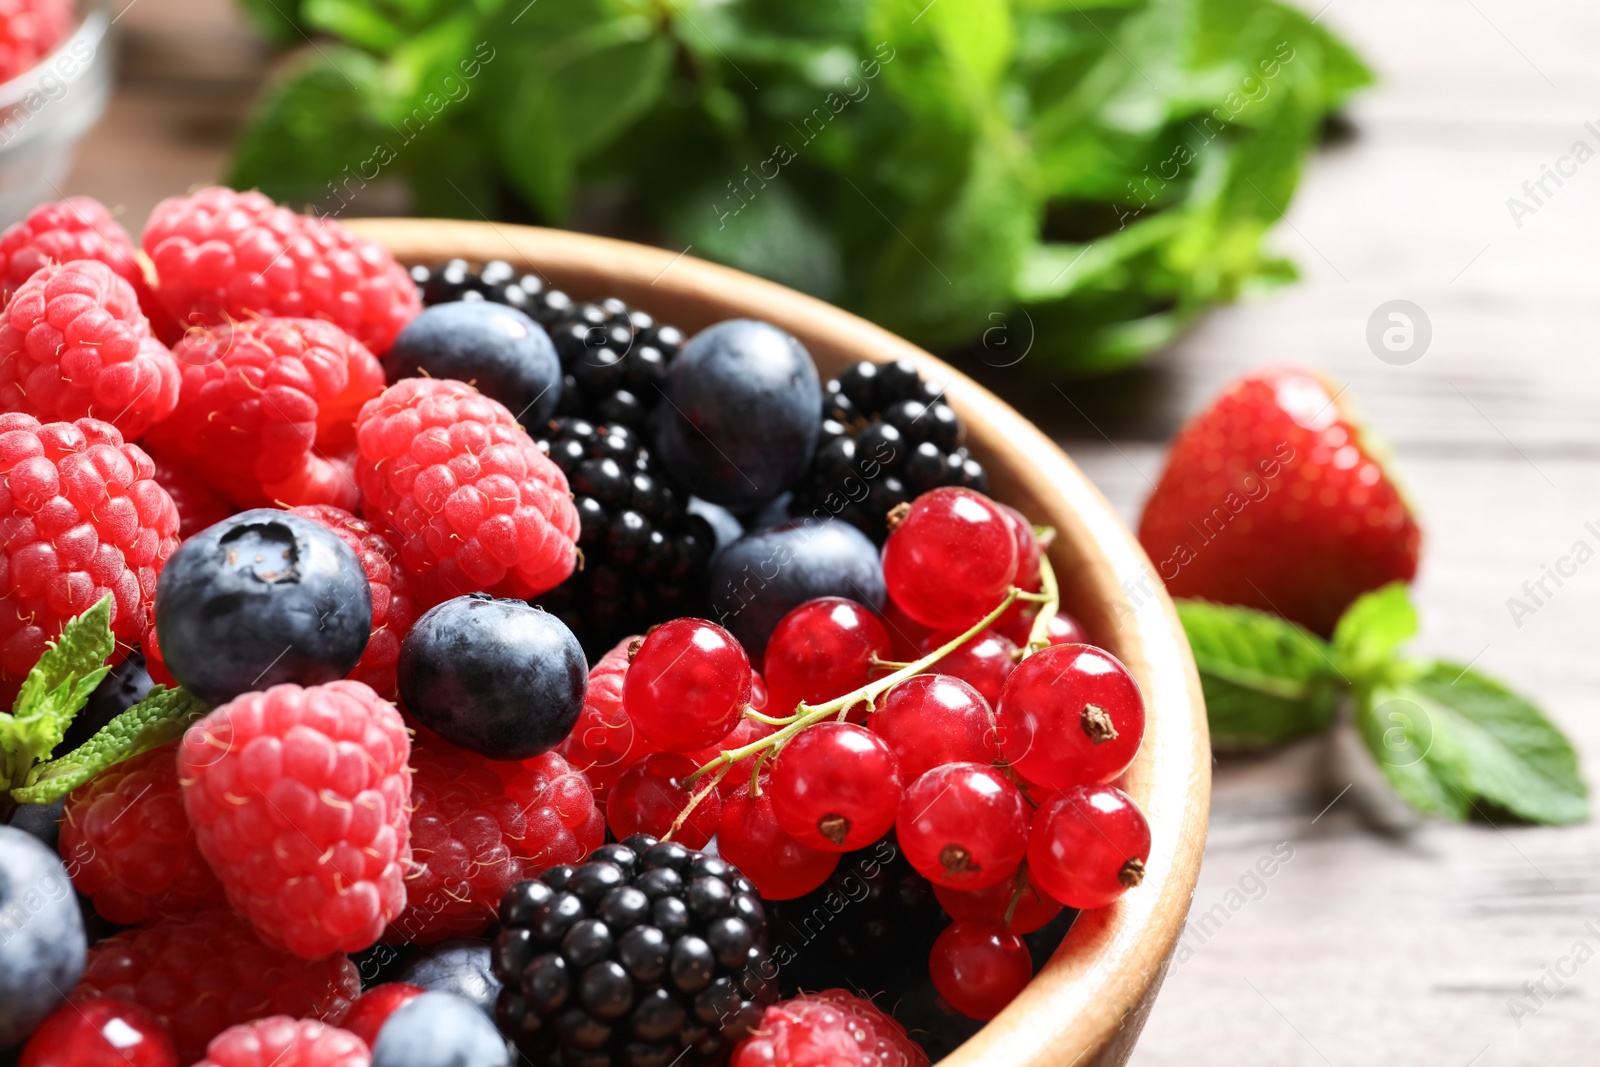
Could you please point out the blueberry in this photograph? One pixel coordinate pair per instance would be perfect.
(42, 943)
(500, 677)
(439, 1030)
(743, 413)
(725, 526)
(760, 577)
(503, 352)
(42, 821)
(460, 967)
(261, 598)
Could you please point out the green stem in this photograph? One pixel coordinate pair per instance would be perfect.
(694, 801)
(1050, 592)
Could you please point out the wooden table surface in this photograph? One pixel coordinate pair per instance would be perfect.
(1379, 940)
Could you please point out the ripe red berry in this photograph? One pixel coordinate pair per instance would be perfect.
(201, 975)
(963, 825)
(1070, 714)
(979, 967)
(603, 743)
(1063, 629)
(300, 800)
(1088, 846)
(933, 719)
(1034, 909)
(822, 649)
(651, 795)
(983, 662)
(747, 732)
(833, 1028)
(100, 1032)
(279, 1041)
(687, 685)
(373, 1008)
(198, 504)
(835, 787)
(905, 633)
(951, 559)
(129, 847)
(749, 837)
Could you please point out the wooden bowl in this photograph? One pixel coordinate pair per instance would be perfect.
(1089, 1003)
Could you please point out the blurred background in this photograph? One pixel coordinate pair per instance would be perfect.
(1382, 939)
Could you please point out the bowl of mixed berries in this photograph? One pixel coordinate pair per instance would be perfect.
(442, 644)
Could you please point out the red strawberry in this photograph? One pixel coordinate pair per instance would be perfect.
(1275, 498)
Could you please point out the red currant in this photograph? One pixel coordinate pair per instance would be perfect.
(979, 967)
(373, 1008)
(1034, 909)
(651, 795)
(1029, 553)
(963, 825)
(750, 838)
(687, 685)
(835, 787)
(1063, 629)
(905, 633)
(747, 731)
(822, 649)
(984, 662)
(951, 559)
(932, 719)
(1089, 846)
(100, 1032)
(1070, 714)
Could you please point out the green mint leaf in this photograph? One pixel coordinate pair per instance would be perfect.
(156, 720)
(1371, 630)
(1266, 680)
(1454, 744)
(54, 691)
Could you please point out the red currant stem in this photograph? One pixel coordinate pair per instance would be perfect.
(1018, 887)
(806, 715)
(694, 801)
(1050, 591)
(1022, 787)
(755, 772)
(751, 713)
(889, 664)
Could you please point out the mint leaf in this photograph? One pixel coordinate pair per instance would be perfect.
(156, 720)
(1266, 680)
(1455, 743)
(54, 691)
(1371, 630)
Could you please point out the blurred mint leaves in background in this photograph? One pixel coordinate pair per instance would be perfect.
(1108, 167)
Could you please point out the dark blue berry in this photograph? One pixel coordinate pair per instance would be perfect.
(42, 943)
(261, 598)
(497, 676)
(462, 967)
(439, 1030)
(759, 578)
(502, 351)
(743, 413)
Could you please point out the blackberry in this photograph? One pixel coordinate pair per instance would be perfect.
(887, 438)
(644, 552)
(648, 955)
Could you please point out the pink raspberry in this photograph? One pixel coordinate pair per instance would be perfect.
(223, 256)
(479, 826)
(128, 845)
(80, 517)
(393, 610)
(279, 1041)
(266, 406)
(198, 504)
(603, 743)
(475, 504)
(201, 975)
(74, 344)
(29, 31)
(61, 231)
(828, 1029)
(299, 801)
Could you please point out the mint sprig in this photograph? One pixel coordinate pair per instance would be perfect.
(1452, 742)
(160, 718)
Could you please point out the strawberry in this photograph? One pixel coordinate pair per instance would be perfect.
(1275, 498)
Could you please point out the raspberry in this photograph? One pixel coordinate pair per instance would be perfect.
(279, 1041)
(80, 517)
(128, 845)
(393, 610)
(476, 505)
(299, 800)
(198, 504)
(29, 31)
(833, 1028)
(479, 826)
(73, 343)
(265, 407)
(78, 227)
(223, 256)
(200, 976)
(603, 743)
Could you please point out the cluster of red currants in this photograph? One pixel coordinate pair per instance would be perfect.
(989, 755)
